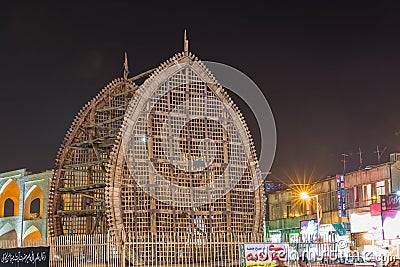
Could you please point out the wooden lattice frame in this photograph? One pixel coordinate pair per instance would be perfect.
(97, 153)
(84, 153)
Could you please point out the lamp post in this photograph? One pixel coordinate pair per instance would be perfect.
(306, 196)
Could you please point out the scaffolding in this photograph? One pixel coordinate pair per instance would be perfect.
(77, 192)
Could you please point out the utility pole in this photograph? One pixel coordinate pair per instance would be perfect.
(361, 160)
(379, 153)
(344, 162)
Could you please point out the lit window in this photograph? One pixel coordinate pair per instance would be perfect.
(367, 193)
(380, 189)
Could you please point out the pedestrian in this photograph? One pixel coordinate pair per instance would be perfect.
(303, 262)
(280, 263)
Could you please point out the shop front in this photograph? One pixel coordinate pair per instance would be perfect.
(366, 230)
(390, 206)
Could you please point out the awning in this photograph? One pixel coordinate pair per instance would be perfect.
(339, 229)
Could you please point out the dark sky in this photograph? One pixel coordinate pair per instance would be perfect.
(330, 70)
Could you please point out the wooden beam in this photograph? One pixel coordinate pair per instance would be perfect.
(81, 213)
(85, 164)
(141, 75)
(82, 188)
(92, 125)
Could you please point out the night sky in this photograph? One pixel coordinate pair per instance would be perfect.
(330, 70)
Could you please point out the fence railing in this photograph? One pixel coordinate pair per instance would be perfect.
(79, 250)
(187, 249)
(117, 249)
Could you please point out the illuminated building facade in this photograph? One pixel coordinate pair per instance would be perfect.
(361, 220)
(23, 205)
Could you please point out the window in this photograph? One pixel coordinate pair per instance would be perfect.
(349, 197)
(8, 208)
(334, 200)
(288, 211)
(323, 201)
(35, 206)
(367, 194)
(271, 213)
(279, 213)
(380, 189)
(355, 193)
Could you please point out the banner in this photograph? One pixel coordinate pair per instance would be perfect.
(25, 257)
(390, 202)
(341, 196)
(262, 254)
(390, 224)
(364, 222)
(309, 230)
(375, 209)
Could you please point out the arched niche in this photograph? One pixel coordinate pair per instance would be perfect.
(32, 233)
(33, 204)
(9, 199)
(7, 232)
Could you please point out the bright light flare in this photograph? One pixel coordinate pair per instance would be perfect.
(304, 195)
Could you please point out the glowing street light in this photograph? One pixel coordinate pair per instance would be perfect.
(305, 196)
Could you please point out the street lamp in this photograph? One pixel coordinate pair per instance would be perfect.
(305, 196)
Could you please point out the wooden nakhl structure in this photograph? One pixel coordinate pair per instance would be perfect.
(94, 188)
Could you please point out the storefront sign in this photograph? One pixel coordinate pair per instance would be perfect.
(275, 186)
(341, 196)
(339, 229)
(390, 202)
(294, 236)
(262, 254)
(375, 209)
(25, 257)
(275, 236)
(346, 226)
(391, 223)
(364, 222)
(309, 230)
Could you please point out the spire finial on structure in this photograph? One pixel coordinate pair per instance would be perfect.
(185, 44)
(126, 67)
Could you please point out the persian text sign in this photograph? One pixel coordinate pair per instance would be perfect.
(390, 202)
(341, 196)
(262, 254)
(25, 257)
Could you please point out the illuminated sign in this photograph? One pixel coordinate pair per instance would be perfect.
(262, 254)
(275, 186)
(364, 222)
(309, 230)
(341, 195)
(375, 209)
(390, 202)
(390, 224)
